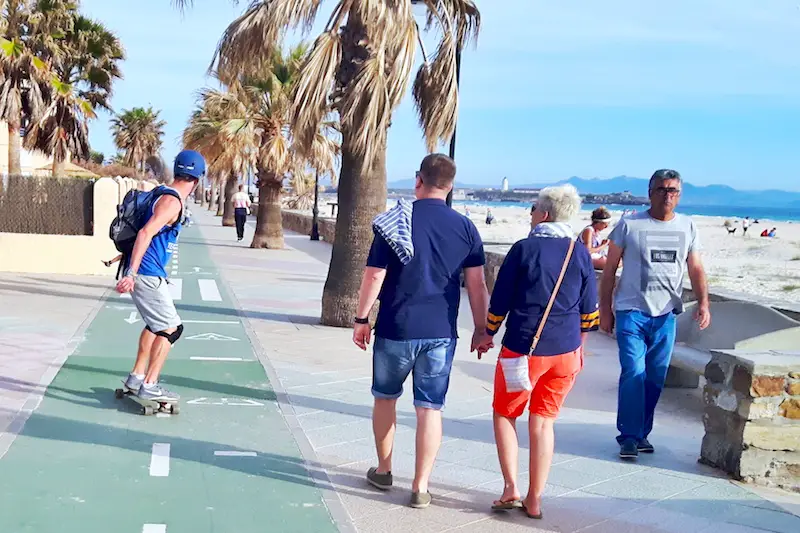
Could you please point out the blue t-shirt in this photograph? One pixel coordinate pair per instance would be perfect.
(420, 300)
(157, 256)
(523, 288)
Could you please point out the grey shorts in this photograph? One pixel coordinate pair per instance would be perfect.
(153, 300)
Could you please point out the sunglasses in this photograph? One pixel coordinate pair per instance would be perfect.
(668, 191)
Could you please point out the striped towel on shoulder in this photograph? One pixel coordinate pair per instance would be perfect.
(395, 227)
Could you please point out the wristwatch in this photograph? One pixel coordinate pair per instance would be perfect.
(131, 274)
(361, 320)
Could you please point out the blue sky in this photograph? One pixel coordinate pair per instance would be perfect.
(552, 89)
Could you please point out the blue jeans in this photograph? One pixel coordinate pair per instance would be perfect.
(429, 359)
(645, 349)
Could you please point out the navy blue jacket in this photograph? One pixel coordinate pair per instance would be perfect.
(524, 285)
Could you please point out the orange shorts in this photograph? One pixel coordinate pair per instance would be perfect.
(544, 380)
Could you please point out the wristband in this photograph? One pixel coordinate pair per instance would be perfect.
(361, 320)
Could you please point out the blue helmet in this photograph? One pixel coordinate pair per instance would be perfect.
(190, 164)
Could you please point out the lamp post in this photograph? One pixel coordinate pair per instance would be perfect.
(315, 212)
(458, 83)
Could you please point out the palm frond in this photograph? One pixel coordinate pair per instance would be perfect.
(315, 83)
(366, 108)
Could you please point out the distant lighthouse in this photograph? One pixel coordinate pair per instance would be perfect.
(504, 186)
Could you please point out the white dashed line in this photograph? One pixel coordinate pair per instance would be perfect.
(159, 460)
(217, 359)
(209, 290)
(154, 528)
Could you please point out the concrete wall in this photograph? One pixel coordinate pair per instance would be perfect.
(70, 254)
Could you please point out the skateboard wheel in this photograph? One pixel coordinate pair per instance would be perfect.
(175, 409)
(147, 410)
(118, 394)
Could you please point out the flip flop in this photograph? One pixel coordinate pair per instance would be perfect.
(535, 516)
(500, 505)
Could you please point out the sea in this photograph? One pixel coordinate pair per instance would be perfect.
(777, 214)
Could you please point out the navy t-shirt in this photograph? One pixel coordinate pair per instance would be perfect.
(420, 300)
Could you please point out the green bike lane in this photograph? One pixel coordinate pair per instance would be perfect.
(86, 461)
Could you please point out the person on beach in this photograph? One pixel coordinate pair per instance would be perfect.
(546, 288)
(745, 226)
(145, 277)
(241, 206)
(414, 268)
(598, 249)
(659, 246)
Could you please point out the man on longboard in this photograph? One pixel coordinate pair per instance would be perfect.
(145, 277)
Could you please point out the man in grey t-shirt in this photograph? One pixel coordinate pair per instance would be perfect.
(658, 248)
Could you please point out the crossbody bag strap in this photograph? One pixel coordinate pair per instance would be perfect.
(553, 296)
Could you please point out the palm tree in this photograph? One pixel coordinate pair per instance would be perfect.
(138, 133)
(251, 118)
(22, 76)
(360, 65)
(85, 65)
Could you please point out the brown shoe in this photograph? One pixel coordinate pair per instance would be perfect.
(420, 500)
(379, 481)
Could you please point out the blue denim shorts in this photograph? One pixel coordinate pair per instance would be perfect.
(429, 359)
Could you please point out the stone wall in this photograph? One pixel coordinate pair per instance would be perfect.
(752, 417)
(301, 223)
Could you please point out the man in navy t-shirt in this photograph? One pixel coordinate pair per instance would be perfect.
(416, 328)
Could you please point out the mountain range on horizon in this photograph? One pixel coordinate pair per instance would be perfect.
(692, 194)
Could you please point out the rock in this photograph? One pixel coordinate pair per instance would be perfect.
(759, 408)
(790, 408)
(715, 372)
(793, 388)
(771, 436)
(768, 386)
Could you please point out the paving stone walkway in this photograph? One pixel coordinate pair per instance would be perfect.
(313, 439)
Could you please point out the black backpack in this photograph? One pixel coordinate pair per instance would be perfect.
(131, 214)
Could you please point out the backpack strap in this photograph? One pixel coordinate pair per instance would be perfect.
(160, 191)
(552, 296)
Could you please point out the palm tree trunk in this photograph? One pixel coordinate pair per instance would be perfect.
(362, 196)
(228, 219)
(214, 195)
(269, 221)
(59, 167)
(221, 200)
(14, 150)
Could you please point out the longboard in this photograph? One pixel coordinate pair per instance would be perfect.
(149, 407)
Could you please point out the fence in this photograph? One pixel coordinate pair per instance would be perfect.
(46, 206)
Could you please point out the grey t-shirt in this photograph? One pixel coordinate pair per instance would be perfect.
(654, 255)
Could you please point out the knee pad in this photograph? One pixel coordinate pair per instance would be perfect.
(172, 337)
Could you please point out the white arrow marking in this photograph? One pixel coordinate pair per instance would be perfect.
(211, 337)
(196, 269)
(120, 307)
(132, 319)
(242, 402)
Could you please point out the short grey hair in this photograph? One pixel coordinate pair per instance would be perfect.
(663, 175)
(562, 202)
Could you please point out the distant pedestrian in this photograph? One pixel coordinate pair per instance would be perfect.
(745, 225)
(598, 249)
(241, 206)
(414, 269)
(659, 248)
(547, 289)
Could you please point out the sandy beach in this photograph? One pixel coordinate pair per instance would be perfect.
(767, 267)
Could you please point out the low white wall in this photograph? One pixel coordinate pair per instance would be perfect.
(70, 254)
